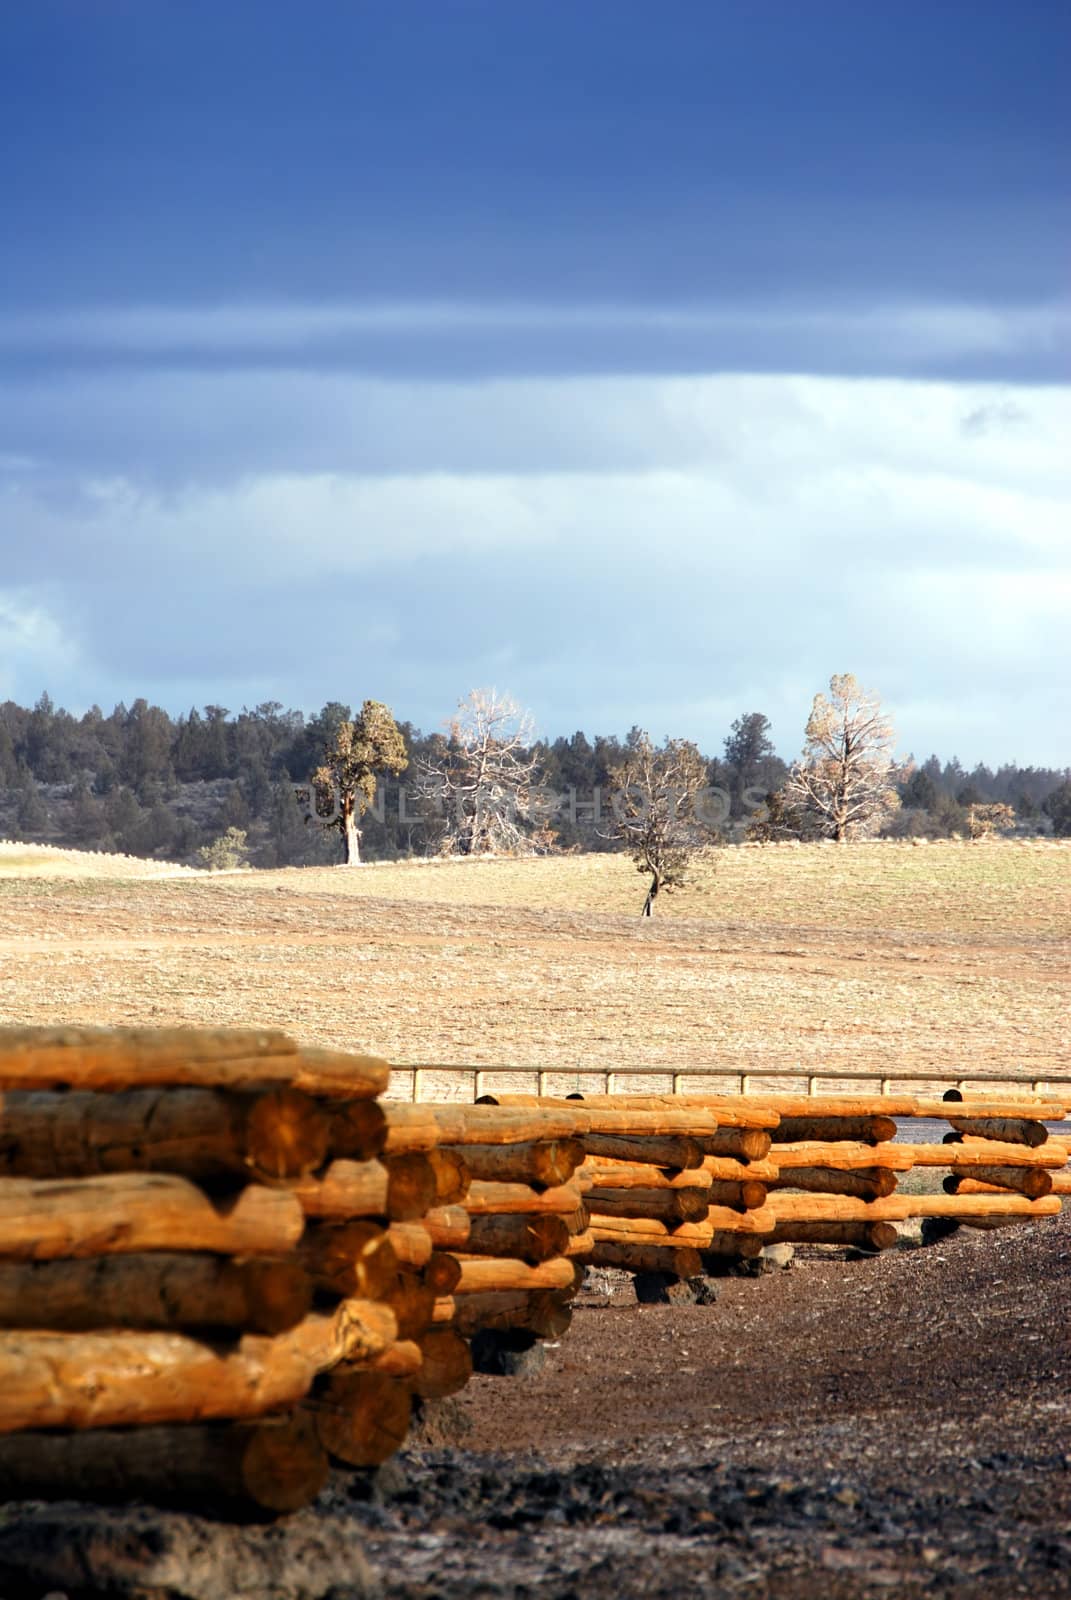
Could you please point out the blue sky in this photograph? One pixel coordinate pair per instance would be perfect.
(652, 363)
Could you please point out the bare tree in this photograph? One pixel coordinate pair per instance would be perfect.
(344, 785)
(482, 779)
(842, 784)
(656, 801)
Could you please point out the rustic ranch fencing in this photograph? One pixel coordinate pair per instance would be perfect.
(227, 1261)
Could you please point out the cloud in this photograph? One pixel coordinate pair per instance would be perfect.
(670, 551)
(430, 337)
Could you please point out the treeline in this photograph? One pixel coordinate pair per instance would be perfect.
(142, 782)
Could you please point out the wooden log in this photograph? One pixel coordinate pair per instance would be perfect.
(402, 1359)
(532, 1238)
(959, 1152)
(413, 1304)
(1031, 1181)
(580, 1245)
(196, 1133)
(601, 1171)
(277, 1464)
(133, 1212)
(102, 1380)
(861, 1235)
(670, 1205)
(681, 1261)
(412, 1246)
(409, 1127)
(452, 1176)
(124, 1058)
(1026, 1107)
(844, 1155)
(1010, 1130)
(412, 1187)
(490, 1124)
(728, 1169)
(863, 1130)
(648, 1230)
(866, 1183)
(415, 1251)
(260, 1294)
(838, 1106)
(671, 1150)
(350, 1258)
(504, 1199)
(362, 1416)
(112, 1059)
(447, 1364)
(741, 1246)
(496, 1273)
(546, 1313)
(448, 1227)
(741, 1194)
(741, 1144)
(898, 1207)
(729, 1110)
(401, 1188)
(357, 1130)
(1061, 1183)
(546, 1164)
(442, 1273)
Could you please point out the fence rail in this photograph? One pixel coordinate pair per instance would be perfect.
(615, 1078)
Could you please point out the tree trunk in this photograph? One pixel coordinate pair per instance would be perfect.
(162, 1289)
(120, 1378)
(277, 1464)
(354, 1258)
(132, 1212)
(351, 834)
(648, 904)
(531, 1238)
(490, 1273)
(362, 1417)
(447, 1364)
(643, 1256)
(196, 1133)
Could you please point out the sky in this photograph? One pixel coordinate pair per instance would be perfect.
(649, 363)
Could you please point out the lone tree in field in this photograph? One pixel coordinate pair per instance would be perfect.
(344, 785)
(480, 781)
(842, 785)
(655, 797)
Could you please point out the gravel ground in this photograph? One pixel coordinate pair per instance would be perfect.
(846, 1428)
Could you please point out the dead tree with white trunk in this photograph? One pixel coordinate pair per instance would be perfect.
(842, 786)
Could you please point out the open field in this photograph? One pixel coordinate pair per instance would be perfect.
(844, 1429)
(936, 961)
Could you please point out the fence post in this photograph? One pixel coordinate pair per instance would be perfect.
(677, 1083)
(541, 1083)
(611, 1082)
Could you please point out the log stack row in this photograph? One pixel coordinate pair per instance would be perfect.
(200, 1296)
(670, 1183)
(724, 1177)
(510, 1220)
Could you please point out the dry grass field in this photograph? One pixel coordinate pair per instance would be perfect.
(939, 961)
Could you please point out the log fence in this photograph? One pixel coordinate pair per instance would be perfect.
(227, 1261)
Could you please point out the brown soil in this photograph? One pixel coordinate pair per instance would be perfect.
(844, 1429)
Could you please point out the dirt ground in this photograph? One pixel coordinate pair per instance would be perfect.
(847, 1428)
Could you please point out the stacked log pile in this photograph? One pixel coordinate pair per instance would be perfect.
(670, 1182)
(725, 1176)
(511, 1225)
(199, 1295)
